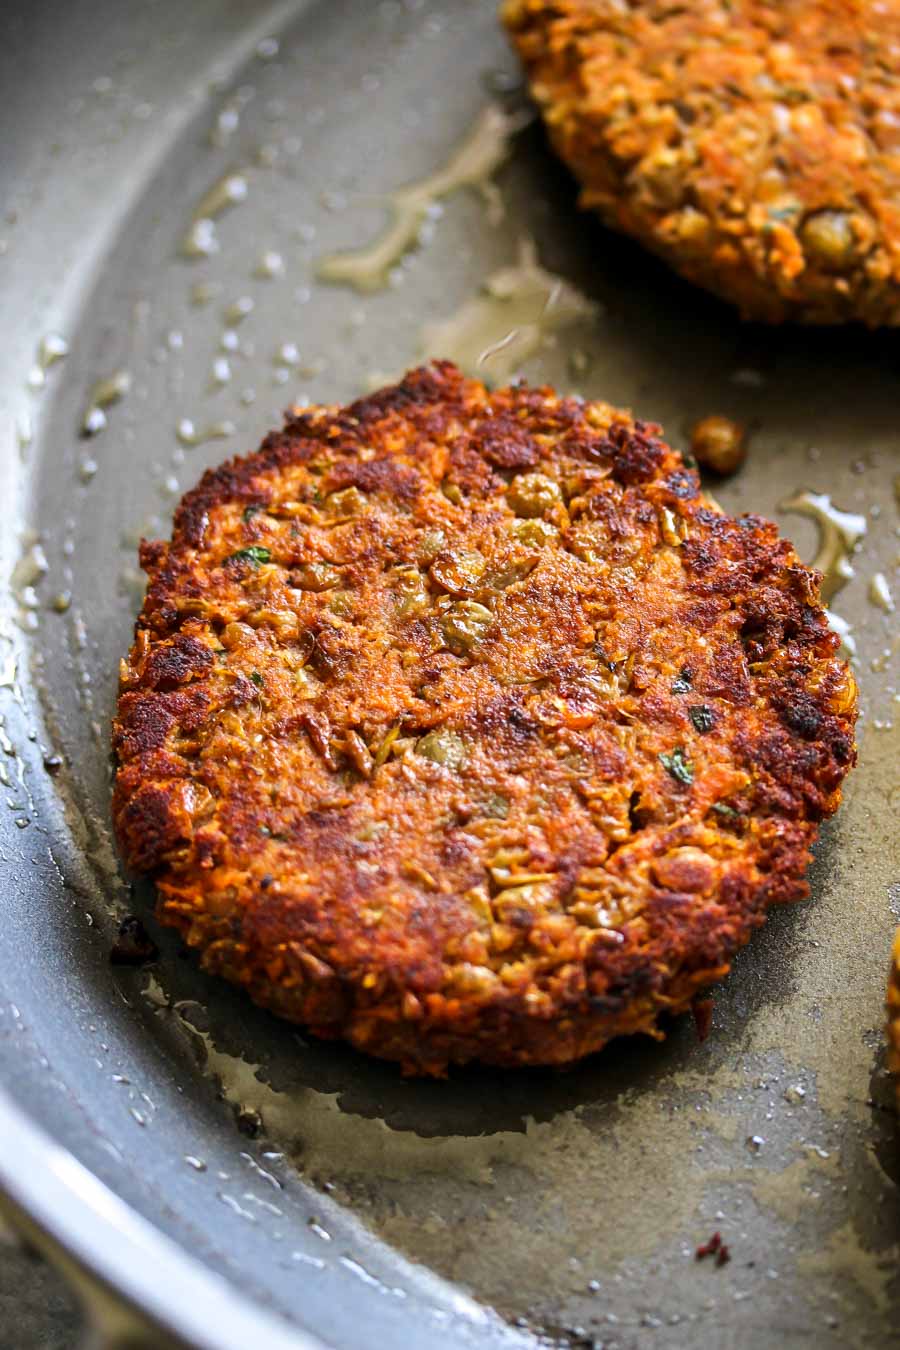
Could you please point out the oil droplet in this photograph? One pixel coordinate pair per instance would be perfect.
(202, 292)
(755, 1142)
(221, 371)
(359, 1270)
(494, 332)
(880, 593)
(51, 349)
(843, 630)
(239, 309)
(839, 534)
(473, 164)
(229, 190)
(200, 240)
(102, 395)
(226, 124)
(24, 431)
(288, 354)
(315, 1261)
(232, 1204)
(30, 568)
(268, 1177)
(188, 434)
(270, 265)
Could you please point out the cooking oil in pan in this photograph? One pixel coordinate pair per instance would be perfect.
(839, 534)
(51, 348)
(270, 266)
(880, 593)
(239, 309)
(203, 292)
(516, 311)
(472, 164)
(103, 394)
(201, 240)
(190, 434)
(221, 372)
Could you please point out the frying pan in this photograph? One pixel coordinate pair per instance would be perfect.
(204, 1173)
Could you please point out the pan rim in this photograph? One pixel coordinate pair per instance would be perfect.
(120, 1265)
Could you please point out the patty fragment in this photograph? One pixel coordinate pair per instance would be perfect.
(459, 724)
(755, 146)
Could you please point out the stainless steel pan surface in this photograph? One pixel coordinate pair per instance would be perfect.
(171, 178)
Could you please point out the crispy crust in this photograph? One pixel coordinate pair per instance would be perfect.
(524, 774)
(752, 145)
(893, 1014)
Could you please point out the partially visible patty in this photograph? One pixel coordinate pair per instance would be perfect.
(755, 146)
(459, 724)
(893, 1013)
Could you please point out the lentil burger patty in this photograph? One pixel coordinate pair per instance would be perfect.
(893, 1014)
(459, 724)
(755, 146)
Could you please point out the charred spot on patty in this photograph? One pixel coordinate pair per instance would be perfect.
(485, 738)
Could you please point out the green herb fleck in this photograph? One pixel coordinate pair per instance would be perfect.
(723, 809)
(682, 684)
(257, 679)
(703, 718)
(599, 651)
(680, 768)
(255, 555)
(252, 510)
